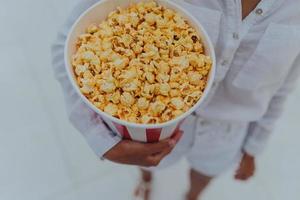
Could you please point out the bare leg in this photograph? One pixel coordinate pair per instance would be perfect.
(146, 175)
(198, 183)
(143, 190)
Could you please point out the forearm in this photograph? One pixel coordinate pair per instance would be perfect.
(260, 131)
(85, 120)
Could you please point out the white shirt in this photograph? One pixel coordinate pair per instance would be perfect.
(258, 62)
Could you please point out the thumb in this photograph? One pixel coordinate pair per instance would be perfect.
(164, 145)
(177, 135)
(156, 158)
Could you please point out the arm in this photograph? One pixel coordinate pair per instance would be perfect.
(86, 121)
(260, 131)
(103, 142)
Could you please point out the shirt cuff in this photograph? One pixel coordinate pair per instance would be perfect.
(101, 140)
(256, 140)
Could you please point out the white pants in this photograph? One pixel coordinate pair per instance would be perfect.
(210, 147)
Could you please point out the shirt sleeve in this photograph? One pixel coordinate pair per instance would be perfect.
(97, 134)
(260, 131)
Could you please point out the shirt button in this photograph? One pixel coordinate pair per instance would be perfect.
(224, 62)
(259, 11)
(235, 36)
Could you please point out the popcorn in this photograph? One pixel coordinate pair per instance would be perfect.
(162, 78)
(92, 29)
(181, 62)
(149, 77)
(111, 109)
(142, 103)
(148, 90)
(177, 103)
(87, 75)
(80, 69)
(129, 74)
(132, 86)
(150, 18)
(107, 87)
(177, 113)
(164, 89)
(106, 44)
(114, 98)
(127, 99)
(169, 14)
(89, 56)
(86, 89)
(167, 115)
(174, 93)
(195, 78)
(120, 63)
(146, 119)
(144, 64)
(126, 39)
(105, 30)
(157, 108)
(163, 67)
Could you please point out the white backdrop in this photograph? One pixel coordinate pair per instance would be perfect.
(43, 158)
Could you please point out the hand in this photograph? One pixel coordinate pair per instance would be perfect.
(142, 154)
(246, 168)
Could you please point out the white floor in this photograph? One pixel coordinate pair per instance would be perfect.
(44, 158)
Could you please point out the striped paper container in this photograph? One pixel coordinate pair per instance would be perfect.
(138, 132)
(144, 134)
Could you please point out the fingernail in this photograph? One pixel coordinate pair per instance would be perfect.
(172, 143)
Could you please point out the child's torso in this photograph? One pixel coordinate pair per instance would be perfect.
(254, 55)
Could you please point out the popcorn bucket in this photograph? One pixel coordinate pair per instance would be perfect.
(133, 131)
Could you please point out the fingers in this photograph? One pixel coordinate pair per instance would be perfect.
(177, 135)
(164, 145)
(243, 176)
(244, 172)
(144, 154)
(161, 155)
(246, 169)
(153, 148)
(155, 159)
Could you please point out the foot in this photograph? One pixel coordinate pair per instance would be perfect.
(198, 183)
(144, 188)
(189, 196)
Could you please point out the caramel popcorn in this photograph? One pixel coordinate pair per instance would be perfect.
(143, 64)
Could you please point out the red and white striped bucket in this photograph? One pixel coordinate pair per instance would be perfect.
(138, 132)
(144, 134)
